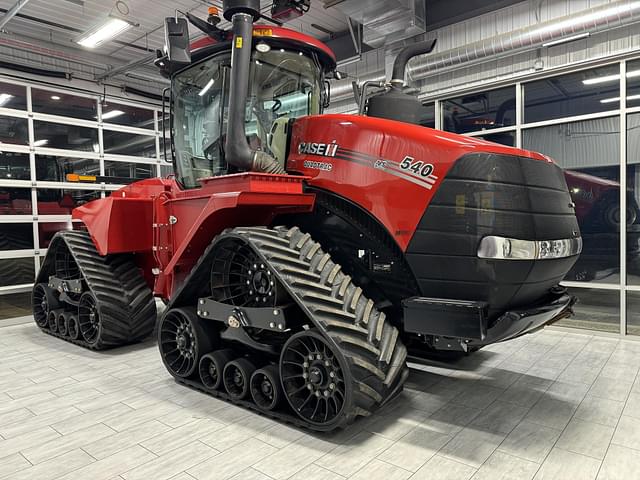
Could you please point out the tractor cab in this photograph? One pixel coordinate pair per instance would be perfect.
(286, 80)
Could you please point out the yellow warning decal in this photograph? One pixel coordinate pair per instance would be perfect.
(262, 32)
(238, 42)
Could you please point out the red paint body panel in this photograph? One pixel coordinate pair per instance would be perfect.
(114, 223)
(169, 228)
(397, 203)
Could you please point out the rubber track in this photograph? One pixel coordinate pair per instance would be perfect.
(125, 304)
(370, 345)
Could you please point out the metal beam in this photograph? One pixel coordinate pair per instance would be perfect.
(126, 67)
(12, 12)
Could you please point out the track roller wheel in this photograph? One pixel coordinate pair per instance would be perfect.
(265, 387)
(211, 367)
(236, 377)
(183, 338)
(52, 320)
(62, 323)
(73, 330)
(43, 301)
(315, 381)
(89, 319)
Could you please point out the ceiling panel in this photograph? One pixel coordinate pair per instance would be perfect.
(66, 19)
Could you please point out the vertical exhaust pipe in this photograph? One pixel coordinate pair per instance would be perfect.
(242, 14)
(406, 54)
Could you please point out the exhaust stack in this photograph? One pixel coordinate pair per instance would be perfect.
(242, 14)
(395, 104)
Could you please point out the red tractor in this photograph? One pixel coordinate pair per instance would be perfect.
(302, 255)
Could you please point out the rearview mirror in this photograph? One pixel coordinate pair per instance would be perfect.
(176, 38)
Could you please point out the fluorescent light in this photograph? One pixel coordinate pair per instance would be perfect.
(617, 99)
(4, 98)
(40, 143)
(55, 97)
(104, 32)
(602, 79)
(572, 38)
(610, 78)
(111, 114)
(206, 88)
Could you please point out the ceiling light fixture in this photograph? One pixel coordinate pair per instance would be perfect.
(55, 97)
(4, 98)
(572, 38)
(206, 88)
(111, 114)
(105, 31)
(617, 99)
(610, 78)
(40, 143)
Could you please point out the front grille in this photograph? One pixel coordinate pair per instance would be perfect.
(487, 194)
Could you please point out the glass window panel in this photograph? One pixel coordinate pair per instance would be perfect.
(596, 310)
(53, 201)
(633, 313)
(46, 231)
(13, 96)
(580, 93)
(16, 236)
(14, 131)
(55, 169)
(16, 271)
(131, 170)
(68, 137)
(166, 170)
(480, 111)
(633, 84)
(121, 143)
(15, 201)
(589, 152)
(15, 305)
(503, 138)
(633, 199)
(64, 104)
(428, 118)
(14, 166)
(127, 115)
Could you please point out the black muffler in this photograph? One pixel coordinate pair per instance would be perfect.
(395, 104)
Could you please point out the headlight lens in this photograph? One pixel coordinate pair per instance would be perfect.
(501, 248)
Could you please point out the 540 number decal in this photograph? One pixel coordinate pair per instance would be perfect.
(416, 167)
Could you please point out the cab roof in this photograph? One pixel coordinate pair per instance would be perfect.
(279, 35)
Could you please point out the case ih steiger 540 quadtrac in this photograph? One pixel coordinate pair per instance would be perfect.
(301, 255)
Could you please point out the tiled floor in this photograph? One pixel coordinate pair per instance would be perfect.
(552, 405)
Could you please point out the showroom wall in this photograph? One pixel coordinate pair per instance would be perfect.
(50, 131)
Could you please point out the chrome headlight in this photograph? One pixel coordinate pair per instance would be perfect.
(501, 248)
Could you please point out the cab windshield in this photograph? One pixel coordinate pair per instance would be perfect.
(283, 85)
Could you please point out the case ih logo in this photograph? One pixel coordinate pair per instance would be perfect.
(321, 149)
